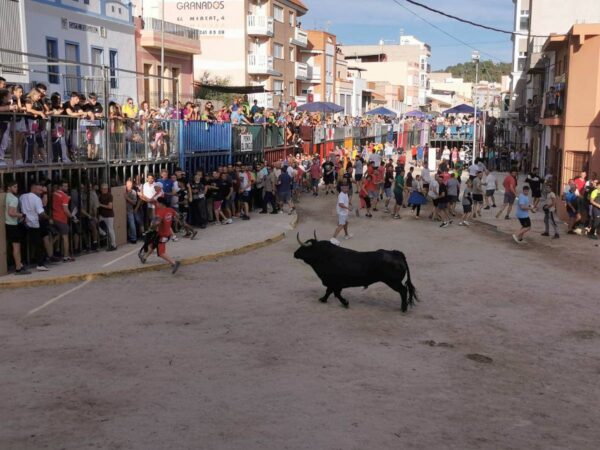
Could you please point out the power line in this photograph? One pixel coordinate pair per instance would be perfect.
(475, 24)
(445, 32)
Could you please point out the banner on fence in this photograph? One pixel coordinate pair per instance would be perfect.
(246, 142)
(319, 135)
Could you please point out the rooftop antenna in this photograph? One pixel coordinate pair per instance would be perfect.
(327, 25)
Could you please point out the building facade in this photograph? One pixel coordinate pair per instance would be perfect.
(570, 113)
(95, 37)
(405, 64)
(180, 44)
(246, 42)
(320, 57)
(532, 68)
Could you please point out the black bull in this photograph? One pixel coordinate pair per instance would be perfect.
(340, 268)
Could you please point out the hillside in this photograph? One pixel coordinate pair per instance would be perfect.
(488, 70)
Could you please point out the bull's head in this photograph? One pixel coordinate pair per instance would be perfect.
(307, 250)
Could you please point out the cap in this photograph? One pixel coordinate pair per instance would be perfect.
(158, 184)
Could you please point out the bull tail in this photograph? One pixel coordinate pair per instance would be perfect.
(412, 291)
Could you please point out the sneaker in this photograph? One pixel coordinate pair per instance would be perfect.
(461, 224)
(68, 259)
(54, 259)
(142, 256)
(444, 225)
(228, 221)
(494, 206)
(42, 268)
(193, 235)
(175, 267)
(487, 207)
(506, 218)
(245, 218)
(396, 216)
(556, 236)
(467, 223)
(516, 239)
(386, 210)
(22, 271)
(174, 238)
(545, 234)
(273, 212)
(369, 215)
(263, 212)
(334, 241)
(111, 249)
(349, 236)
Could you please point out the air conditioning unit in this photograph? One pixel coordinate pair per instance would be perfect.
(102, 32)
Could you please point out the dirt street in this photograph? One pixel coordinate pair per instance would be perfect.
(502, 352)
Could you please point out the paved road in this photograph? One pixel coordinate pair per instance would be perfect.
(502, 352)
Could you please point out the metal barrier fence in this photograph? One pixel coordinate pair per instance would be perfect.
(58, 139)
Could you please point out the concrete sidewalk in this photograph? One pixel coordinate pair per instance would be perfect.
(211, 243)
(508, 227)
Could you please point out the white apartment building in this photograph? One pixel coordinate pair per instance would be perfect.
(405, 64)
(247, 42)
(99, 32)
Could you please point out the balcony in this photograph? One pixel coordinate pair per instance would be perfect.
(301, 71)
(261, 65)
(300, 38)
(260, 26)
(177, 37)
(313, 74)
(555, 101)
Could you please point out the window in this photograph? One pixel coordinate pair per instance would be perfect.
(278, 13)
(52, 54)
(524, 23)
(292, 19)
(522, 61)
(278, 87)
(278, 51)
(292, 89)
(112, 64)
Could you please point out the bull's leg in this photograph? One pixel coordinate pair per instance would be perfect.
(328, 292)
(404, 295)
(403, 290)
(338, 295)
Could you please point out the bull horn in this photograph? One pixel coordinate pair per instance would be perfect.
(300, 242)
(316, 238)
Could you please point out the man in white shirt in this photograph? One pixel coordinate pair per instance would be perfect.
(32, 208)
(491, 186)
(473, 169)
(148, 193)
(375, 158)
(342, 208)
(388, 150)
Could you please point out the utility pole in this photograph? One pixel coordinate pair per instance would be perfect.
(162, 51)
(475, 58)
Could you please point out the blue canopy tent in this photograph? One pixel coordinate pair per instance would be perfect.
(382, 111)
(416, 113)
(324, 107)
(461, 109)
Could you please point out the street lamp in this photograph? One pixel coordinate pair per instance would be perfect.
(475, 59)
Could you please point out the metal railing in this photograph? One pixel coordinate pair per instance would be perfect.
(151, 23)
(59, 139)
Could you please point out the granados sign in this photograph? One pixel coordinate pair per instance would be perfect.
(200, 6)
(214, 19)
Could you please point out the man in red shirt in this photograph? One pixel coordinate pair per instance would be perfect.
(580, 182)
(162, 223)
(510, 194)
(315, 175)
(61, 216)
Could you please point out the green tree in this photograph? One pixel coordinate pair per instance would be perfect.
(202, 88)
(488, 71)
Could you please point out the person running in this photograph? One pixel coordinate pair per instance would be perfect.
(343, 208)
(442, 207)
(535, 184)
(549, 208)
(467, 204)
(510, 194)
(388, 180)
(477, 194)
(329, 176)
(453, 191)
(522, 213)
(161, 224)
(398, 191)
(491, 186)
(417, 198)
(364, 196)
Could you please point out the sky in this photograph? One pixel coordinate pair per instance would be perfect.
(369, 21)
